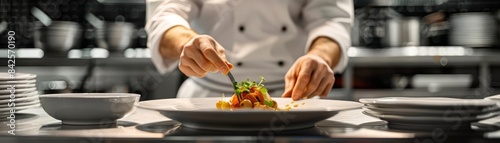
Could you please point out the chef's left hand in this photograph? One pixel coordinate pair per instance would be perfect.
(312, 74)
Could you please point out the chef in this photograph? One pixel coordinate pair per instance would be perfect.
(296, 45)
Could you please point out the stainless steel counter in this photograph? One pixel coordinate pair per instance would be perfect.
(149, 126)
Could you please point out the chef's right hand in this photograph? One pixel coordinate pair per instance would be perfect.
(203, 54)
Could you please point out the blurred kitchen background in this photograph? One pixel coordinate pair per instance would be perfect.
(400, 48)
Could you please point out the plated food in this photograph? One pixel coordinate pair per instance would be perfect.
(250, 108)
(200, 113)
(249, 94)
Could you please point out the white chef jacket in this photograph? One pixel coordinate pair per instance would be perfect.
(261, 37)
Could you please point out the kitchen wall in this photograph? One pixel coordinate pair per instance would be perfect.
(84, 66)
(424, 48)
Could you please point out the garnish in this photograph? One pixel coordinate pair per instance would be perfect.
(249, 94)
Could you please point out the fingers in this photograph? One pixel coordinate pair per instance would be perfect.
(328, 88)
(201, 55)
(189, 67)
(199, 60)
(308, 77)
(289, 83)
(208, 49)
(184, 66)
(316, 79)
(303, 79)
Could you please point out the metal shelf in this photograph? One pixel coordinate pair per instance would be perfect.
(407, 2)
(358, 56)
(79, 57)
(422, 55)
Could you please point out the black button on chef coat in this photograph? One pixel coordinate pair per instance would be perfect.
(242, 28)
(281, 63)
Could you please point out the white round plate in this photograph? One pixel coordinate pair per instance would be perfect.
(494, 97)
(7, 110)
(426, 102)
(17, 91)
(22, 120)
(17, 82)
(20, 104)
(200, 113)
(17, 76)
(431, 112)
(428, 119)
(17, 86)
(20, 95)
(18, 100)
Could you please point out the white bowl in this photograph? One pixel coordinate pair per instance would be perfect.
(89, 108)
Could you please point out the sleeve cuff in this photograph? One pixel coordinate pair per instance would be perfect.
(160, 26)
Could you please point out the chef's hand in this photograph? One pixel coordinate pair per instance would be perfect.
(203, 54)
(312, 74)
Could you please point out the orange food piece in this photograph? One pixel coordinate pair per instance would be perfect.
(234, 101)
(259, 97)
(251, 97)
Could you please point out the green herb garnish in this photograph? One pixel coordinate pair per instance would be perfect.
(269, 103)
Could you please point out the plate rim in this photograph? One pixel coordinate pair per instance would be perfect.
(421, 118)
(420, 111)
(29, 81)
(89, 95)
(20, 90)
(141, 105)
(3, 101)
(24, 76)
(431, 103)
(24, 85)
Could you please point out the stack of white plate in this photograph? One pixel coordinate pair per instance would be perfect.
(17, 92)
(429, 113)
(473, 29)
(22, 124)
(494, 98)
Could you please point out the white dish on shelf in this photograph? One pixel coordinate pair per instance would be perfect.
(17, 82)
(201, 113)
(17, 76)
(20, 95)
(429, 119)
(17, 91)
(17, 86)
(427, 102)
(431, 112)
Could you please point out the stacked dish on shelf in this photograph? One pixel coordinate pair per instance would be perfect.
(473, 29)
(429, 113)
(17, 92)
